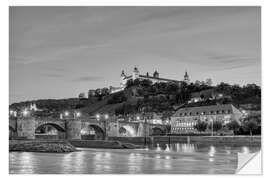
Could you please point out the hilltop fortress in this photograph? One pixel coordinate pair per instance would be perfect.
(155, 78)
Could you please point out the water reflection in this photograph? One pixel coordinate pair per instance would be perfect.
(212, 151)
(245, 150)
(167, 148)
(158, 148)
(159, 158)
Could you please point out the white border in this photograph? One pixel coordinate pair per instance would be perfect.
(4, 73)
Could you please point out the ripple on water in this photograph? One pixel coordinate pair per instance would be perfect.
(176, 158)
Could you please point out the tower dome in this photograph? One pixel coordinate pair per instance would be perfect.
(186, 77)
(156, 74)
(135, 73)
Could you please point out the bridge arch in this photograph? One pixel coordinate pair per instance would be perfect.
(49, 131)
(54, 125)
(93, 131)
(128, 131)
(157, 131)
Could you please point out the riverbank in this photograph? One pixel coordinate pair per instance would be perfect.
(62, 146)
(240, 140)
(41, 146)
(104, 144)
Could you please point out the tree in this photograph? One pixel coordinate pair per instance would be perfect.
(117, 98)
(146, 83)
(251, 126)
(234, 126)
(201, 126)
(129, 83)
(217, 125)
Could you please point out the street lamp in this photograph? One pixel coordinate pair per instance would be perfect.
(66, 113)
(212, 122)
(78, 114)
(25, 112)
(104, 120)
(11, 112)
(138, 118)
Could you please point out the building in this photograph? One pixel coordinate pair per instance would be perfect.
(91, 93)
(184, 119)
(210, 94)
(82, 95)
(186, 78)
(154, 78)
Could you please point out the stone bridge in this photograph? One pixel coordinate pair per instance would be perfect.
(80, 128)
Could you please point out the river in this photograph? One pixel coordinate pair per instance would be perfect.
(159, 159)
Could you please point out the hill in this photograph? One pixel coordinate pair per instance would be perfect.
(143, 95)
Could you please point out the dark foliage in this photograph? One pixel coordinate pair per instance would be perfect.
(201, 126)
(117, 98)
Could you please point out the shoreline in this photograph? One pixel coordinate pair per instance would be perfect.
(65, 146)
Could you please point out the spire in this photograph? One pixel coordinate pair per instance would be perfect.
(156, 74)
(135, 69)
(123, 73)
(186, 74)
(186, 77)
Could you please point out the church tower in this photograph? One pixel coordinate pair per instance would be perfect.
(123, 79)
(135, 73)
(186, 78)
(156, 74)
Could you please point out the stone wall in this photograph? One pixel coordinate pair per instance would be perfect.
(73, 129)
(26, 127)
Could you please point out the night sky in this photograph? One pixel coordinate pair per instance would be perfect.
(58, 52)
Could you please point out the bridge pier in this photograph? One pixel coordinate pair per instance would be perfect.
(73, 128)
(26, 127)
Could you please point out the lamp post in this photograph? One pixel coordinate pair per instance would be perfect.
(104, 121)
(106, 116)
(212, 122)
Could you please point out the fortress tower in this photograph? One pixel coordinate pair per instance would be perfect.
(135, 73)
(186, 77)
(123, 79)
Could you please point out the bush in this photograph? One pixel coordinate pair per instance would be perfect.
(117, 98)
(234, 126)
(201, 126)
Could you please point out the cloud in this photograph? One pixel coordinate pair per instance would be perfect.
(52, 75)
(89, 78)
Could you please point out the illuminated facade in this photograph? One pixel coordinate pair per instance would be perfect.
(184, 119)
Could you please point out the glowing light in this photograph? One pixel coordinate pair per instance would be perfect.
(167, 157)
(25, 112)
(158, 148)
(97, 116)
(138, 117)
(212, 151)
(11, 112)
(78, 114)
(167, 148)
(245, 150)
(106, 116)
(66, 113)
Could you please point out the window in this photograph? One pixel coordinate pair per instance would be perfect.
(212, 112)
(223, 111)
(197, 113)
(180, 114)
(185, 114)
(217, 112)
(229, 111)
(190, 113)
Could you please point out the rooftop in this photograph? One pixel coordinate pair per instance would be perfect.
(207, 110)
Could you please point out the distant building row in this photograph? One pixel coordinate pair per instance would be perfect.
(184, 119)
